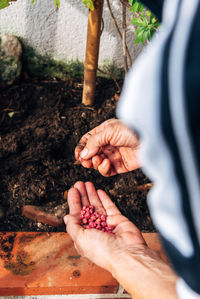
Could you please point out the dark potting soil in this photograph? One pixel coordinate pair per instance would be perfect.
(40, 125)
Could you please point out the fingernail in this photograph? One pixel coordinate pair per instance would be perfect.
(65, 219)
(84, 153)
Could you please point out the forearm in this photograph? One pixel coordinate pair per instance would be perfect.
(143, 274)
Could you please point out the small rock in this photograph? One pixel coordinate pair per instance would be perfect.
(40, 133)
(10, 63)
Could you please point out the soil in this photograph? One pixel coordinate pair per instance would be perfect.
(40, 124)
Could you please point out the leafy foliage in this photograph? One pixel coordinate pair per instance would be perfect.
(5, 3)
(89, 4)
(144, 20)
(57, 2)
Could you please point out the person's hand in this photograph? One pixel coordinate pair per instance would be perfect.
(111, 148)
(96, 245)
(124, 253)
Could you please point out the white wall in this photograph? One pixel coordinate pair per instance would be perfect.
(62, 33)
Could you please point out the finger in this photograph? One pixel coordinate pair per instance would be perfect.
(74, 201)
(96, 161)
(80, 186)
(73, 227)
(94, 198)
(115, 158)
(105, 168)
(86, 164)
(107, 203)
(94, 144)
(78, 150)
(80, 146)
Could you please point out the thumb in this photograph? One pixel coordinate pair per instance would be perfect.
(93, 145)
(72, 226)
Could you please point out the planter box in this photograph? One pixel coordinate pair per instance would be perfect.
(47, 263)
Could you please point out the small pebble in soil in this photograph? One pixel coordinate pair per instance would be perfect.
(91, 219)
(40, 133)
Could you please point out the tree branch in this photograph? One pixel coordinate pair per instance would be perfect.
(124, 38)
(118, 30)
(125, 2)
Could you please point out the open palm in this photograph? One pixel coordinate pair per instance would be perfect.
(96, 245)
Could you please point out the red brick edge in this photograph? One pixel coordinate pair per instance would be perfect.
(47, 263)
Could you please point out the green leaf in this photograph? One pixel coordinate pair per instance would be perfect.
(149, 35)
(148, 13)
(137, 21)
(153, 20)
(144, 18)
(131, 2)
(137, 40)
(144, 36)
(135, 6)
(89, 4)
(33, 1)
(10, 114)
(4, 3)
(139, 29)
(140, 35)
(140, 8)
(57, 3)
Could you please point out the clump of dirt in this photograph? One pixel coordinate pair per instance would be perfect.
(40, 125)
(6, 245)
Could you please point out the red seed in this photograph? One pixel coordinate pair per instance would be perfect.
(103, 224)
(84, 220)
(91, 225)
(92, 219)
(87, 215)
(103, 217)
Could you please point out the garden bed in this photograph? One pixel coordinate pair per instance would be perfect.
(40, 124)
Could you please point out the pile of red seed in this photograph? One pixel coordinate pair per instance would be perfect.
(91, 219)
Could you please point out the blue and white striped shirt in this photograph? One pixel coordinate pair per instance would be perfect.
(161, 102)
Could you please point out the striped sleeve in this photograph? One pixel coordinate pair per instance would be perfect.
(181, 129)
(161, 101)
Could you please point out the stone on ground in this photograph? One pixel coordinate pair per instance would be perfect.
(10, 62)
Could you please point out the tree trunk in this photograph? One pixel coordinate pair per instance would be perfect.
(92, 52)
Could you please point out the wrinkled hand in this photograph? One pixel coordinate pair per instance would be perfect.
(96, 245)
(111, 148)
